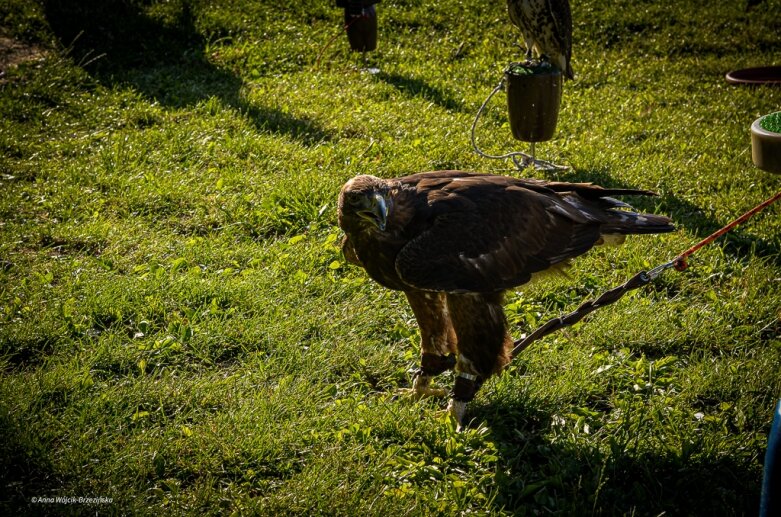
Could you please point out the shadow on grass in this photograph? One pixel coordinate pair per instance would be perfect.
(737, 243)
(25, 470)
(120, 44)
(419, 88)
(537, 474)
(26, 353)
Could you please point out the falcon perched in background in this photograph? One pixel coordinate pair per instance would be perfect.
(546, 26)
(454, 241)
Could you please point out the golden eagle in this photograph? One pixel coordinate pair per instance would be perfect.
(454, 241)
(546, 26)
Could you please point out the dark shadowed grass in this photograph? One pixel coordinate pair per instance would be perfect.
(180, 333)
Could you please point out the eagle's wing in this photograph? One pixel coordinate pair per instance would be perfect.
(495, 243)
(512, 12)
(561, 16)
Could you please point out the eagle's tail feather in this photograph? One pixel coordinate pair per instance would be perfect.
(615, 216)
(628, 223)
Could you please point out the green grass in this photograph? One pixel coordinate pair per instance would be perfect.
(179, 331)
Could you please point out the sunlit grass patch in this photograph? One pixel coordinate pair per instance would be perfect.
(178, 327)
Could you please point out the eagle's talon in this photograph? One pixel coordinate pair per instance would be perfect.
(529, 61)
(422, 393)
(421, 388)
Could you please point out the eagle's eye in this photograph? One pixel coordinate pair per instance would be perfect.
(371, 207)
(357, 200)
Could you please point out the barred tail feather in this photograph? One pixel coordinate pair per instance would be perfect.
(628, 223)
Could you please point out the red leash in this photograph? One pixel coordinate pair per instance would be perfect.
(680, 261)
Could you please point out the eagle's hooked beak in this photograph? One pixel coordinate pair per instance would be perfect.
(376, 211)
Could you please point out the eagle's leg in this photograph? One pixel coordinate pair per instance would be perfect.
(430, 366)
(484, 345)
(529, 54)
(437, 341)
(529, 42)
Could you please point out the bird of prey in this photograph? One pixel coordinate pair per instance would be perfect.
(454, 241)
(546, 26)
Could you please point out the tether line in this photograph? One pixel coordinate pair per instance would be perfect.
(637, 281)
(513, 154)
(680, 260)
(333, 38)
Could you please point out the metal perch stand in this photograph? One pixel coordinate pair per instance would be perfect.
(520, 159)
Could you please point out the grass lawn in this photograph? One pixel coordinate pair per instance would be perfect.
(180, 334)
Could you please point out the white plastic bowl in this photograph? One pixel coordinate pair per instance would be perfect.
(765, 147)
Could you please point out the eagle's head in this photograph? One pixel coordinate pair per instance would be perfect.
(364, 204)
